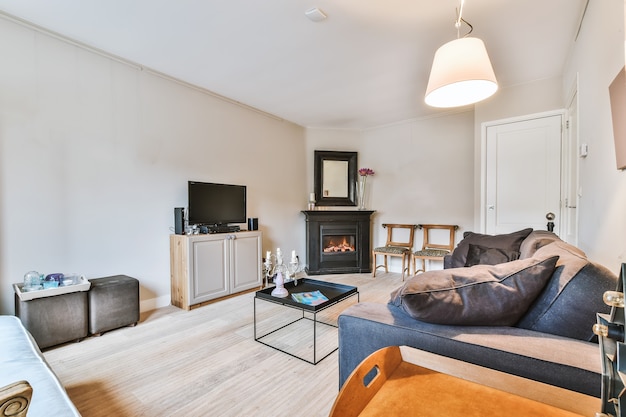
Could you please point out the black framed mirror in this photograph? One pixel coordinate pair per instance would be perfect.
(335, 178)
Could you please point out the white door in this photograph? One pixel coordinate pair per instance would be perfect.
(522, 174)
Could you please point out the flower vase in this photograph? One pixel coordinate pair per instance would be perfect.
(361, 193)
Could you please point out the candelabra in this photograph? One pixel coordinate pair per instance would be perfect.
(275, 268)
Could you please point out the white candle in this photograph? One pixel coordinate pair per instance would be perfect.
(293, 256)
(312, 197)
(279, 256)
(268, 254)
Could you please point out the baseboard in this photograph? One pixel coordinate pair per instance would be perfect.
(154, 303)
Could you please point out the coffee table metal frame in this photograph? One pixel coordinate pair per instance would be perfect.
(335, 293)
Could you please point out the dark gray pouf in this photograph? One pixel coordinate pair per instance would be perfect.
(54, 320)
(113, 303)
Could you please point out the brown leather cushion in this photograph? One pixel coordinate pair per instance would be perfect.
(483, 295)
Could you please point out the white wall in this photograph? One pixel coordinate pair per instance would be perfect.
(520, 100)
(95, 154)
(424, 171)
(597, 57)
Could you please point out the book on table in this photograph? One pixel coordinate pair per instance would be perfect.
(311, 298)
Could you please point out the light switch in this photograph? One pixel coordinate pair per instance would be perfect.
(583, 151)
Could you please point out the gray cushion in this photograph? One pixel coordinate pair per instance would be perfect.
(569, 303)
(482, 295)
(481, 255)
(509, 242)
(535, 240)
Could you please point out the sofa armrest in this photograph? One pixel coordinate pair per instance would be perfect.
(15, 398)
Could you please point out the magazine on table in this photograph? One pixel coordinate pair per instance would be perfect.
(311, 298)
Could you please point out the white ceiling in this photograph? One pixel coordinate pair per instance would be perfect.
(366, 65)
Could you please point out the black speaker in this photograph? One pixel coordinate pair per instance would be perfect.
(253, 223)
(179, 220)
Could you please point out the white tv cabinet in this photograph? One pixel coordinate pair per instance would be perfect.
(211, 266)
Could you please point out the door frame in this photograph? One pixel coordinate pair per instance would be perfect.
(571, 167)
(483, 157)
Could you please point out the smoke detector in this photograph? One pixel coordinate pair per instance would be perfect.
(315, 15)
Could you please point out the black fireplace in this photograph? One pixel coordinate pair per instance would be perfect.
(338, 242)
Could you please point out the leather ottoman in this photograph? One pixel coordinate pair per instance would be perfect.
(113, 303)
(54, 320)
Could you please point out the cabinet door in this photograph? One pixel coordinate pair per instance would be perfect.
(210, 269)
(246, 261)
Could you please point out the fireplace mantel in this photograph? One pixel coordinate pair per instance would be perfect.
(353, 223)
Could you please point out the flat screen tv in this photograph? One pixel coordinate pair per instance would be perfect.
(216, 204)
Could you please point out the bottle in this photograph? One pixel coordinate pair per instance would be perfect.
(32, 281)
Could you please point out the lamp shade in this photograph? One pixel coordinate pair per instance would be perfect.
(461, 74)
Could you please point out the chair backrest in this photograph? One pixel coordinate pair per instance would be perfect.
(427, 244)
(403, 244)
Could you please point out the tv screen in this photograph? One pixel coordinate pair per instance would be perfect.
(211, 203)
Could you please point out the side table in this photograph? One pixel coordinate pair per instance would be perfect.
(281, 335)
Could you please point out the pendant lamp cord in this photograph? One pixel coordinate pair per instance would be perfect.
(459, 20)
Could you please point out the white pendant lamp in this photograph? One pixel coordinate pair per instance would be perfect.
(461, 73)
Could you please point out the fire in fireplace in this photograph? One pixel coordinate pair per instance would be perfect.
(336, 244)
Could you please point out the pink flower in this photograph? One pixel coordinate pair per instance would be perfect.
(364, 172)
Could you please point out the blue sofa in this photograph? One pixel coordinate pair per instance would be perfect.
(21, 360)
(552, 343)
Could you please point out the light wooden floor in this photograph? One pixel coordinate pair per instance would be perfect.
(205, 362)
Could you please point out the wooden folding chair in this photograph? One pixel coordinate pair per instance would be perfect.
(395, 248)
(433, 251)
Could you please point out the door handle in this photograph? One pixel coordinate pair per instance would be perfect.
(550, 216)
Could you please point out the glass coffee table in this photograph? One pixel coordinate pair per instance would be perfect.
(291, 333)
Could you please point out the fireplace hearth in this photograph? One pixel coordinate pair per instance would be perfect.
(338, 241)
